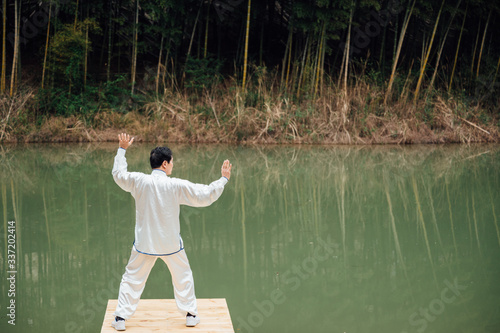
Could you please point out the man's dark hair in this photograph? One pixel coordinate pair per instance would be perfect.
(158, 155)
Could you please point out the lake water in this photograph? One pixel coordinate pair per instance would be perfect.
(303, 239)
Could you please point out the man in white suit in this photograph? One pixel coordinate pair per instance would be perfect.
(157, 229)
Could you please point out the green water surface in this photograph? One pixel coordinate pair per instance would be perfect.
(303, 239)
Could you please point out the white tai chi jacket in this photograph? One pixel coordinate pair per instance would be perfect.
(157, 204)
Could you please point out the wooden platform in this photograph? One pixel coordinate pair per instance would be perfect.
(161, 315)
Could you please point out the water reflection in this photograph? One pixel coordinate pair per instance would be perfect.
(348, 239)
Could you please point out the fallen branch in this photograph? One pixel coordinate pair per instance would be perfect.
(462, 119)
(472, 124)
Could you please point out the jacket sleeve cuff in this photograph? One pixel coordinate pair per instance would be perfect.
(121, 151)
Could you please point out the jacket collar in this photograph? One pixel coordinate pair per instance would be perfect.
(158, 172)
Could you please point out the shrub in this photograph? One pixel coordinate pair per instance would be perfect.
(202, 73)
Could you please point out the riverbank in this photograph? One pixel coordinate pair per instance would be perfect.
(265, 116)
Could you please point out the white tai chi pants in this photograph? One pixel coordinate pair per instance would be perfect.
(137, 272)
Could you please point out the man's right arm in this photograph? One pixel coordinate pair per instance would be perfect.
(122, 177)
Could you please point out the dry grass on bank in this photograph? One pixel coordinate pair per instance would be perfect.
(261, 115)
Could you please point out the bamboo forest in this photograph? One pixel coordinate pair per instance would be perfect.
(228, 71)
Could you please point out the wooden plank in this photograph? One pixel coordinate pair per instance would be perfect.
(161, 315)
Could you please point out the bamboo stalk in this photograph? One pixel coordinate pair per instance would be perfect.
(475, 48)
(442, 47)
(348, 49)
(285, 57)
(456, 53)
(110, 43)
(206, 30)
(86, 59)
(342, 67)
(164, 74)
(289, 59)
(398, 51)
(159, 66)
(381, 60)
(261, 43)
(496, 73)
(76, 15)
(134, 48)
(427, 54)
(191, 39)
(18, 62)
(4, 68)
(16, 49)
(320, 54)
(302, 67)
(247, 34)
(322, 74)
(313, 69)
(46, 45)
(482, 45)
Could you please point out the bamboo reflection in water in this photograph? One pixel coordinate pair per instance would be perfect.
(16, 203)
(341, 206)
(422, 224)
(475, 223)
(394, 230)
(451, 219)
(433, 213)
(468, 220)
(316, 210)
(86, 214)
(285, 203)
(46, 218)
(244, 236)
(494, 215)
(436, 227)
(404, 197)
(108, 207)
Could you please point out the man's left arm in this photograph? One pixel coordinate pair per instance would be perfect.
(198, 195)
